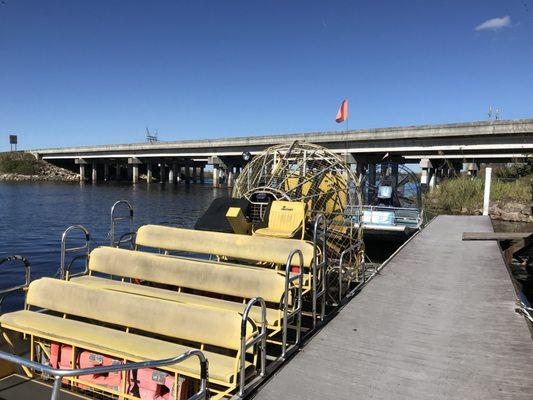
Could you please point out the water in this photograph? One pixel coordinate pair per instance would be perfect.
(33, 216)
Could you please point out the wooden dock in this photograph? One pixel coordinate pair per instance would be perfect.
(437, 323)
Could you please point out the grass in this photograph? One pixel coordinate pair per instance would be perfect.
(464, 195)
(18, 163)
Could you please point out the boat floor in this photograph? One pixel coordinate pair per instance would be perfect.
(17, 387)
(438, 322)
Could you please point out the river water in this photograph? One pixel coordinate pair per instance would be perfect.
(33, 216)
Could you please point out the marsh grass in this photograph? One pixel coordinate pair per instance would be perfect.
(465, 195)
(18, 163)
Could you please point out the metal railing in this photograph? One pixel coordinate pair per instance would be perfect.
(297, 311)
(65, 249)
(350, 250)
(27, 276)
(261, 339)
(320, 221)
(115, 219)
(58, 374)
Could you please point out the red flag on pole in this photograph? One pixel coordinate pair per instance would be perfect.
(342, 114)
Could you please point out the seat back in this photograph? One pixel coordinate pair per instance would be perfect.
(255, 248)
(288, 216)
(189, 273)
(176, 320)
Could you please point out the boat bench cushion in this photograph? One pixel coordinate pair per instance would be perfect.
(194, 274)
(176, 320)
(273, 315)
(256, 248)
(115, 343)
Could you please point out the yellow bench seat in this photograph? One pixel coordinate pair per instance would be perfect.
(273, 315)
(115, 343)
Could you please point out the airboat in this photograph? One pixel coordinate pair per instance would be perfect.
(173, 313)
(392, 209)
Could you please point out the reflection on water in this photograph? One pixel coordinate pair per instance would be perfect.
(33, 217)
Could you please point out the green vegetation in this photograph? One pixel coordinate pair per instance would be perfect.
(465, 195)
(18, 163)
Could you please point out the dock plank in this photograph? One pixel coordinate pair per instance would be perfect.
(437, 323)
(496, 235)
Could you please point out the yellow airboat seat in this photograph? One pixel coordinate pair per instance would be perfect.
(285, 220)
(255, 248)
(211, 277)
(218, 329)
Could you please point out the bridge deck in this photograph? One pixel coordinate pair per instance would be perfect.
(437, 323)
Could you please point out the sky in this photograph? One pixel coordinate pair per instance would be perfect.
(99, 72)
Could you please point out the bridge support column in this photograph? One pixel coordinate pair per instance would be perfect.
(149, 174)
(194, 174)
(472, 169)
(175, 173)
(82, 172)
(425, 166)
(216, 172)
(106, 172)
(231, 177)
(202, 174)
(171, 174)
(162, 173)
(94, 175)
(135, 173)
(187, 174)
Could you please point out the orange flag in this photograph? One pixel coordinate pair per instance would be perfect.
(342, 114)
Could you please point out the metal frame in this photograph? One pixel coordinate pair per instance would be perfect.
(353, 248)
(297, 311)
(58, 374)
(65, 249)
(261, 339)
(115, 219)
(319, 266)
(27, 276)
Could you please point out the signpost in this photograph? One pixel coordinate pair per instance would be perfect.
(13, 141)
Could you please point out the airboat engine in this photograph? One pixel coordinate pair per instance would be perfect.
(302, 175)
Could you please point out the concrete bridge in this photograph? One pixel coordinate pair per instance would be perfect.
(437, 147)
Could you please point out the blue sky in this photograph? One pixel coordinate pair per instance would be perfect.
(97, 72)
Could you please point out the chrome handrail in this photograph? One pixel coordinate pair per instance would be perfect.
(65, 249)
(299, 303)
(246, 345)
(61, 373)
(357, 245)
(319, 266)
(27, 276)
(114, 220)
